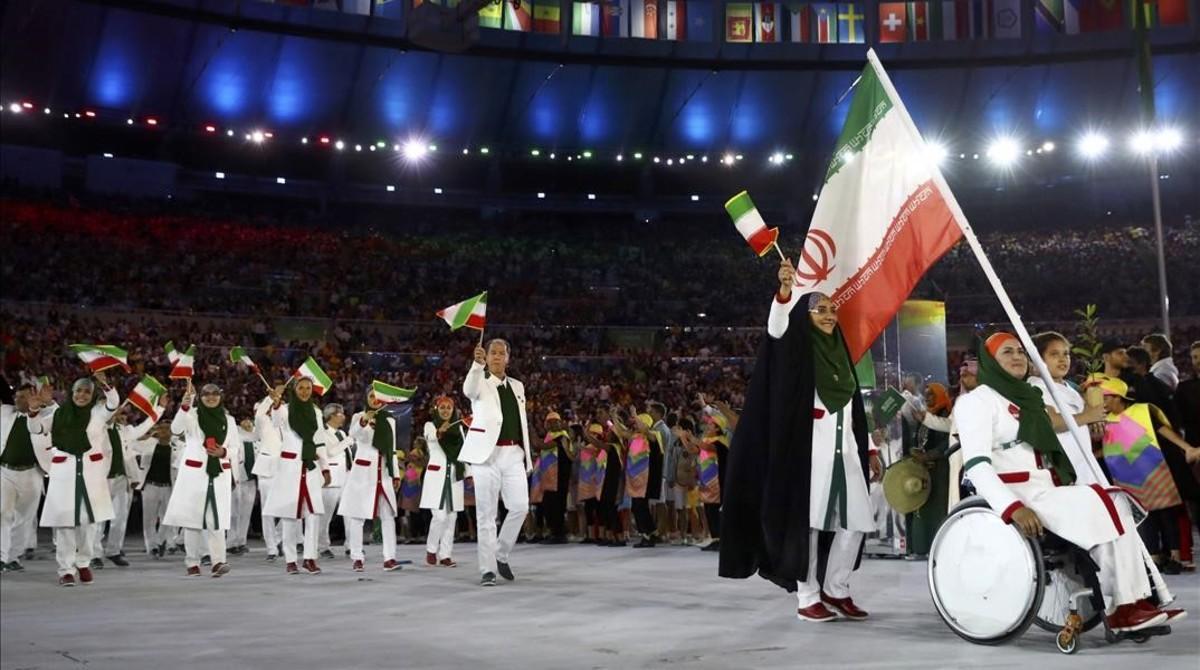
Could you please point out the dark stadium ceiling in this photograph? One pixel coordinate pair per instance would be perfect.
(301, 72)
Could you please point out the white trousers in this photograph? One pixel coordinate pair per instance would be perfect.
(838, 567)
(329, 497)
(20, 492)
(440, 540)
(270, 525)
(502, 476)
(154, 506)
(73, 547)
(240, 511)
(293, 535)
(387, 522)
(197, 543)
(113, 542)
(1123, 578)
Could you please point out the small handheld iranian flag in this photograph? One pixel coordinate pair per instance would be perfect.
(884, 215)
(388, 394)
(238, 355)
(471, 313)
(145, 396)
(183, 364)
(99, 357)
(42, 382)
(750, 223)
(172, 352)
(310, 370)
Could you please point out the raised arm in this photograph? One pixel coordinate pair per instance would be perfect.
(785, 300)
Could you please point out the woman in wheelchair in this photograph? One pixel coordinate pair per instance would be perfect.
(1015, 461)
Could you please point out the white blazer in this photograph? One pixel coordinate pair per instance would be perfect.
(368, 473)
(487, 418)
(292, 481)
(337, 442)
(438, 474)
(267, 439)
(189, 497)
(59, 508)
(41, 443)
(130, 435)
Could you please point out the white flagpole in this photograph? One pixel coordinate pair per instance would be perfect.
(1084, 463)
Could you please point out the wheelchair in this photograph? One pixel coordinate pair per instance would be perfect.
(989, 583)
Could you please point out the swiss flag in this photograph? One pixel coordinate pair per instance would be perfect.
(892, 22)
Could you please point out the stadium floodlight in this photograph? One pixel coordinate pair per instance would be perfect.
(339, 145)
(591, 196)
(280, 180)
(535, 153)
(541, 196)
(1168, 139)
(391, 189)
(776, 158)
(437, 191)
(620, 158)
(727, 159)
(1048, 146)
(257, 137)
(415, 150)
(1142, 142)
(937, 152)
(220, 175)
(1004, 151)
(695, 198)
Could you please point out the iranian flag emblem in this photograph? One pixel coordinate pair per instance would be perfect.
(883, 217)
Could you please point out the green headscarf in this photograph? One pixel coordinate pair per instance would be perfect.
(451, 442)
(384, 440)
(214, 425)
(1035, 428)
(302, 418)
(832, 372)
(68, 431)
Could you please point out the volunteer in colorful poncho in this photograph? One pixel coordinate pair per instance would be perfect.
(1135, 438)
(553, 472)
(77, 498)
(200, 501)
(442, 490)
(374, 479)
(796, 483)
(1016, 462)
(300, 474)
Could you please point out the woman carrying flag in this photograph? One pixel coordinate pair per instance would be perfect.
(301, 472)
(374, 479)
(443, 487)
(200, 501)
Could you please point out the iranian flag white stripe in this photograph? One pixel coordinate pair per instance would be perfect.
(386, 393)
(884, 215)
(750, 223)
(145, 396)
(238, 355)
(471, 313)
(100, 357)
(310, 370)
(183, 364)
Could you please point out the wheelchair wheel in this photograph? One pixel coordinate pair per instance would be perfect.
(1067, 643)
(986, 580)
(1056, 600)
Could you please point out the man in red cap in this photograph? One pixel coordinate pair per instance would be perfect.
(1016, 462)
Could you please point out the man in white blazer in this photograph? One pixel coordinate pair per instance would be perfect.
(497, 447)
(22, 462)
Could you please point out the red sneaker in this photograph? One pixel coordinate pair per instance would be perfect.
(448, 563)
(220, 570)
(291, 569)
(430, 558)
(66, 580)
(815, 612)
(358, 566)
(1129, 618)
(310, 566)
(85, 576)
(845, 606)
(193, 571)
(390, 565)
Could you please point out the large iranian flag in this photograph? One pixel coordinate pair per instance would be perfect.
(471, 313)
(145, 396)
(310, 370)
(884, 215)
(99, 357)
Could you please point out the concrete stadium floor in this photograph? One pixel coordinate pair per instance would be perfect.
(571, 606)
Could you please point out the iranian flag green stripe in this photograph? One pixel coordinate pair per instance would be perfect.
(310, 370)
(471, 313)
(750, 223)
(145, 396)
(238, 355)
(884, 215)
(386, 393)
(183, 364)
(99, 357)
(172, 352)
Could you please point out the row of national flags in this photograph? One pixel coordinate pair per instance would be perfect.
(819, 22)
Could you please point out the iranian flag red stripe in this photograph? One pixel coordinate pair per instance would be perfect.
(145, 396)
(884, 215)
(100, 357)
(183, 365)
